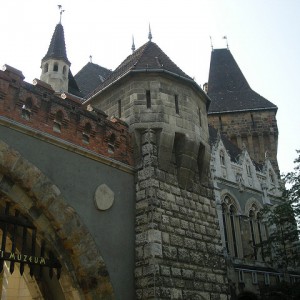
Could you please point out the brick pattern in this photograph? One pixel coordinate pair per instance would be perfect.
(178, 247)
(106, 137)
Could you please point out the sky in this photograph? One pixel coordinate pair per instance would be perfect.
(262, 35)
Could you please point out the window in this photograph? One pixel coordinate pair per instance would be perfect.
(257, 232)
(86, 133)
(46, 67)
(231, 227)
(58, 121)
(271, 175)
(64, 70)
(55, 67)
(148, 99)
(222, 158)
(199, 114)
(248, 169)
(176, 104)
(119, 108)
(26, 109)
(111, 144)
(254, 278)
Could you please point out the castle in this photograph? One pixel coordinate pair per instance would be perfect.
(135, 183)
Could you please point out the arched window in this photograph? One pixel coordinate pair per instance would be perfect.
(86, 133)
(248, 168)
(222, 158)
(64, 70)
(231, 225)
(55, 67)
(257, 232)
(46, 67)
(59, 116)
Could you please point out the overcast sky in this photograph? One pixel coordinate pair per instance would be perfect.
(263, 36)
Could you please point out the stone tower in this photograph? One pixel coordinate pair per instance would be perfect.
(178, 248)
(55, 64)
(244, 116)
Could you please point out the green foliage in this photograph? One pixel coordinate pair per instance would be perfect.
(282, 245)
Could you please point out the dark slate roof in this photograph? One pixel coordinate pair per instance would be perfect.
(91, 76)
(57, 47)
(148, 57)
(73, 86)
(228, 88)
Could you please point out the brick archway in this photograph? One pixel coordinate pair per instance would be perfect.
(39, 199)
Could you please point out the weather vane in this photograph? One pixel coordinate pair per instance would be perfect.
(211, 44)
(225, 38)
(60, 12)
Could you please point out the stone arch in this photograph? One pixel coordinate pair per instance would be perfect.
(39, 199)
(227, 193)
(250, 202)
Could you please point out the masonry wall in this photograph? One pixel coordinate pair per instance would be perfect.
(178, 246)
(257, 130)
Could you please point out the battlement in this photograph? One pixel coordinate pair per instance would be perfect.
(62, 116)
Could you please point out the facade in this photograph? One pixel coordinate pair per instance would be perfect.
(116, 187)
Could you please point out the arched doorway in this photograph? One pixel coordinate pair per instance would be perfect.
(84, 274)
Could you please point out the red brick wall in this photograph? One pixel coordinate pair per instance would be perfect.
(107, 137)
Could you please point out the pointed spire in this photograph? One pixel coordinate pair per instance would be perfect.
(150, 34)
(133, 45)
(57, 47)
(91, 58)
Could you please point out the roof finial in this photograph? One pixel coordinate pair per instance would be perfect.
(211, 44)
(133, 45)
(150, 34)
(225, 38)
(91, 58)
(60, 12)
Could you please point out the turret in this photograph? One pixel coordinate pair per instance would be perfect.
(55, 64)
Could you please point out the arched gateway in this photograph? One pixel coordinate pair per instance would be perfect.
(25, 190)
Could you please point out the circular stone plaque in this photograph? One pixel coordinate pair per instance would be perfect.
(104, 197)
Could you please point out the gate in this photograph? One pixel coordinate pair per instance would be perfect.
(24, 247)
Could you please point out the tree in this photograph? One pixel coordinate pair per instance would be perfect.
(282, 219)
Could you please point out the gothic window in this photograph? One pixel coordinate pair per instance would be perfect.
(86, 133)
(58, 121)
(64, 70)
(55, 67)
(257, 232)
(222, 158)
(248, 169)
(46, 67)
(231, 227)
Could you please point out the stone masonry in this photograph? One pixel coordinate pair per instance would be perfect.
(178, 250)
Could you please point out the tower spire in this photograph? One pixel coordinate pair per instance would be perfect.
(60, 12)
(225, 38)
(149, 34)
(133, 45)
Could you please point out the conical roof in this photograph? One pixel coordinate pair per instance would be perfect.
(228, 88)
(148, 58)
(57, 47)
